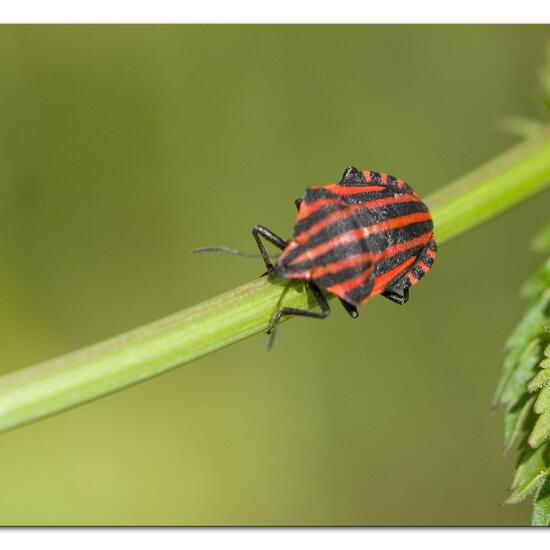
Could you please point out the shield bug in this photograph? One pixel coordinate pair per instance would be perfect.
(365, 236)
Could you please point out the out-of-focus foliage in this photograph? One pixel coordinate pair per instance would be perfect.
(524, 389)
(526, 127)
(525, 383)
(122, 148)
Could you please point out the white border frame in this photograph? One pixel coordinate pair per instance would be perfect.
(278, 11)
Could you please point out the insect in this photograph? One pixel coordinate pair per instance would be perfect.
(365, 236)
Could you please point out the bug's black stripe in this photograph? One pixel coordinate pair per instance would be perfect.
(428, 260)
(417, 271)
(337, 254)
(374, 243)
(364, 218)
(399, 283)
(341, 276)
(382, 267)
(357, 294)
(312, 195)
(392, 210)
(375, 178)
(375, 215)
(391, 182)
(316, 217)
(353, 177)
(393, 261)
(358, 198)
(402, 281)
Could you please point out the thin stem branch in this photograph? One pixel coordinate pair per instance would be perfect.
(89, 373)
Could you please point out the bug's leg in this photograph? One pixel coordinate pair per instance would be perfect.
(321, 302)
(298, 202)
(261, 231)
(396, 297)
(350, 308)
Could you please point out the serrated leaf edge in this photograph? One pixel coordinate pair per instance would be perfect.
(523, 491)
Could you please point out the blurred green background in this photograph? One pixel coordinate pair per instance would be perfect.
(122, 148)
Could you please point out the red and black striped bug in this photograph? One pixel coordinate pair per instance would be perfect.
(370, 234)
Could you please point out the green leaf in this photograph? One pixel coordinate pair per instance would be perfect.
(529, 328)
(515, 421)
(528, 346)
(523, 370)
(532, 471)
(541, 505)
(540, 380)
(532, 324)
(535, 285)
(541, 502)
(542, 403)
(525, 389)
(541, 431)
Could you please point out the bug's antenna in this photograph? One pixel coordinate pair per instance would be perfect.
(230, 251)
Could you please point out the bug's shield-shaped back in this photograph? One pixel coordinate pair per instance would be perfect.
(329, 248)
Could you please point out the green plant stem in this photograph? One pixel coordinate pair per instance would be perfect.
(73, 379)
